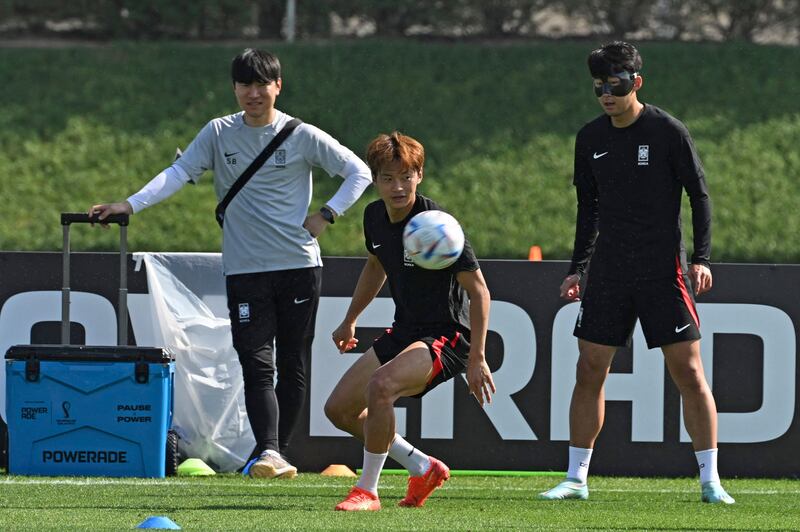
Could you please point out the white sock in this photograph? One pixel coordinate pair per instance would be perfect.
(415, 461)
(373, 464)
(579, 463)
(707, 461)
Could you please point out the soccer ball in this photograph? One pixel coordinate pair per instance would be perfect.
(433, 239)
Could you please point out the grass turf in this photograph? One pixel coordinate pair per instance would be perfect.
(86, 125)
(230, 502)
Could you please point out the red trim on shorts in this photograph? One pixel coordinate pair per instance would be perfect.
(387, 331)
(437, 351)
(687, 299)
(437, 361)
(455, 340)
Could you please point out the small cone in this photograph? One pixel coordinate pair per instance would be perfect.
(338, 470)
(535, 253)
(161, 522)
(194, 467)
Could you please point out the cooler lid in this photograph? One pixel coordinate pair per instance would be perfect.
(90, 353)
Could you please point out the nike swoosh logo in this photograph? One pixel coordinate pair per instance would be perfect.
(598, 155)
(679, 329)
(298, 301)
(375, 246)
(231, 154)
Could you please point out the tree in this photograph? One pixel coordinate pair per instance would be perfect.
(743, 19)
(270, 18)
(613, 18)
(508, 17)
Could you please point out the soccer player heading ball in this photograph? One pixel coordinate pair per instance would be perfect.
(438, 331)
(631, 166)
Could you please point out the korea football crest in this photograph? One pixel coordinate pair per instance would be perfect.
(643, 156)
(244, 312)
(280, 158)
(407, 259)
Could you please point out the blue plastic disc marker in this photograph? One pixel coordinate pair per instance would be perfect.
(159, 522)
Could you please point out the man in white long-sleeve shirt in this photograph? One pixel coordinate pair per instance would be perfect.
(270, 254)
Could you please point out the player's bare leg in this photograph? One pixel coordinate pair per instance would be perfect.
(588, 407)
(405, 375)
(700, 411)
(347, 404)
(586, 416)
(700, 414)
(346, 408)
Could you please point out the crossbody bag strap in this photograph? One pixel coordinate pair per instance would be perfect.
(257, 163)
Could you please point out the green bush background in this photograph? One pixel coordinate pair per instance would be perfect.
(82, 125)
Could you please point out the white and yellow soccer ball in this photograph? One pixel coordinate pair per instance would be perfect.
(433, 240)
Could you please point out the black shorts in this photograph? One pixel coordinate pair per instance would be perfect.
(665, 308)
(449, 351)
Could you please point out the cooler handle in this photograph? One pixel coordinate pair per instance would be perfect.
(68, 218)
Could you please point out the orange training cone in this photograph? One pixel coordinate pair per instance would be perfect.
(535, 253)
(338, 470)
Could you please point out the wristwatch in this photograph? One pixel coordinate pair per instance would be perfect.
(327, 213)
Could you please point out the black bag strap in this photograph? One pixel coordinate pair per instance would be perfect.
(257, 163)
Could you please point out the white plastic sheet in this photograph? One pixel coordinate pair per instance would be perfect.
(209, 413)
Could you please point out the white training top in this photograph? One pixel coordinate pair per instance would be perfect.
(263, 228)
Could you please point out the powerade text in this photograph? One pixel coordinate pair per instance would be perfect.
(85, 457)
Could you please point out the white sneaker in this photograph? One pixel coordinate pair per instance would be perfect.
(272, 465)
(569, 489)
(713, 492)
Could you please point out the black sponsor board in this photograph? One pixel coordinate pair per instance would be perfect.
(745, 378)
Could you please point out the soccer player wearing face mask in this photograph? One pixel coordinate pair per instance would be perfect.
(632, 165)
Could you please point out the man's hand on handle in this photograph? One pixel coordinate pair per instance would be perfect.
(104, 210)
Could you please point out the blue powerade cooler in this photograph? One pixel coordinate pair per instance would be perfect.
(90, 410)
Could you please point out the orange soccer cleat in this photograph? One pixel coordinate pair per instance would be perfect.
(420, 488)
(359, 500)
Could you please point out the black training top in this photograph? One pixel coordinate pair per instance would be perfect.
(629, 183)
(424, 299)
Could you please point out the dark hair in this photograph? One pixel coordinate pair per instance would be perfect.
(255, 65)
(613, 58)
(385, 149)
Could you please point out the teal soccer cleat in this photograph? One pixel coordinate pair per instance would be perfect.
(569, 489)
(714, 493)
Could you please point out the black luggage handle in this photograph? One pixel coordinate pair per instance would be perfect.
(68, 218)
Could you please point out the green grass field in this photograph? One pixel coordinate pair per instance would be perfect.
(230, 502)
(93, 124)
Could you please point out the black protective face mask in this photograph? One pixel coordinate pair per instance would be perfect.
(624, 87)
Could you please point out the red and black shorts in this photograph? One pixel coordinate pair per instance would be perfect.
(449, 351)
(665, 308)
